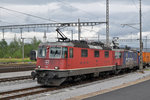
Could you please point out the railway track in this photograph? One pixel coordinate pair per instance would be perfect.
(15, 78)
(30, 91)
(27, 92)
(20, 93)
(14, 94)
(4, 69)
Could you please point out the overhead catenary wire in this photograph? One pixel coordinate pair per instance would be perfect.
(6, 22)
(12, 14)
(27, 14)
(68, 4)
(134, 4)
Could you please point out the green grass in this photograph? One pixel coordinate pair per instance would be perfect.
(147, 69)
(14, 60)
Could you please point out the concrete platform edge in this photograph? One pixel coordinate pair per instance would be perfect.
(110, 89)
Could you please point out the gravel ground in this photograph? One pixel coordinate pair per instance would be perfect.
(15, 74)
(21, 84)
(67, 93)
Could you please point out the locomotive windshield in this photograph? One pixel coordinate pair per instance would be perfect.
(55, 52)
(58, 52)
(42, 52)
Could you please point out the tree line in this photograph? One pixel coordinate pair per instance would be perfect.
(14, 49)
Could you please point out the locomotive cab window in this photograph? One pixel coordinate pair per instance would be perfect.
(106, 54)
(84, 53)
(42, 52)
(96, 53)
(71, 52)
(55, 52)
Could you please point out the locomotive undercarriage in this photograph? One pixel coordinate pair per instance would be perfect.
(57, 77)
(49, 77)
(50, 82)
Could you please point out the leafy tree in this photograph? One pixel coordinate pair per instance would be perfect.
(3, 48)
(35, 43)
(14, 49)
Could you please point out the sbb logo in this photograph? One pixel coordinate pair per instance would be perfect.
(46, 62)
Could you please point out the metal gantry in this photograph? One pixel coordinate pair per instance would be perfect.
(70, 24)
(3, 33)
(79, 30)
(46, 25)
(141, 43)
(128, 40)
(107, 22)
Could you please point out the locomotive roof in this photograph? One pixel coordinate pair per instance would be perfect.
(124, 50)
(83, 44)
(80, 44)
(57, 44)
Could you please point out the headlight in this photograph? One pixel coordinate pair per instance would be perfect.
(56, 67)
(39, 67)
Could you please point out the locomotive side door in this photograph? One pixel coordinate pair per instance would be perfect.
(68, 55)
(70, 58)
(65, 56)
(118, 58)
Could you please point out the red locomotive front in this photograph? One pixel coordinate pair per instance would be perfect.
(52, 57)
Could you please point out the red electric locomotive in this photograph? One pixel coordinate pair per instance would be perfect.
(59, 61)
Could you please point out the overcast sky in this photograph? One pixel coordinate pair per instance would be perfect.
(121, 12)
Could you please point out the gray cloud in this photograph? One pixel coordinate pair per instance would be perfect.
(27, 2)
(34, 2)
(68, 12)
